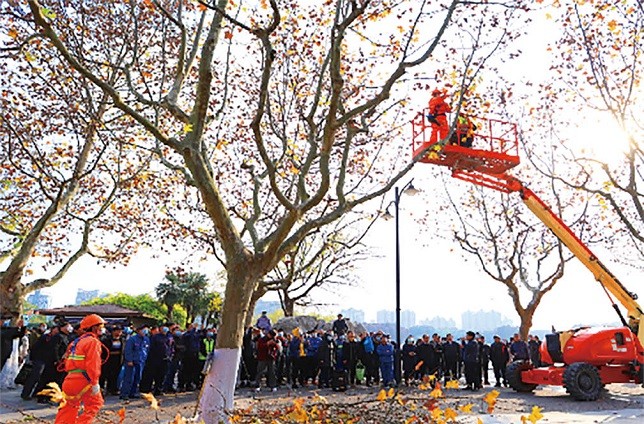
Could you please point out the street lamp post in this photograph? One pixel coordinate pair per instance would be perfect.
(410, 190)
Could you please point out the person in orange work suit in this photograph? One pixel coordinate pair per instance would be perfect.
(438, 111)
(83, 366)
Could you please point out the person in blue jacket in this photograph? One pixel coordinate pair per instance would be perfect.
(134, 358)
(385, 351)
(312, 345)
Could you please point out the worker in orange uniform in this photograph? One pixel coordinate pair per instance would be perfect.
(438, 110)
(83, 366)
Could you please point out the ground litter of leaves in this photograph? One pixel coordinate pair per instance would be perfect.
(361, 405)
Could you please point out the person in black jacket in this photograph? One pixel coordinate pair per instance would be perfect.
(484, 352)
(7, 335)
(38, 357)
(533, 348)
(435, 365)
(500, 357)
(471, 362)
(340, 326)
(409, 359)
(114, 341)
(425, 353)
(325, 355)
(451, 358)
(351, 352)
(53, 356)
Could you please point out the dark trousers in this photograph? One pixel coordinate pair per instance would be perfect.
(472, 370)
(297, 371)
(153, 377)
(110, 374)
(451, 370)
(325, 377)
(485, 365)
(499, 372)
(371, 369)
(49, 375)
(190, 371)
(131, 380)
(32, 379)
(268, 368)
(171, 373)
(351, 368)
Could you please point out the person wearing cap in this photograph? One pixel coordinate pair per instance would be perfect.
(438, 110)
(471, 361)
(500, 357)
(135, 356)
(83, 367)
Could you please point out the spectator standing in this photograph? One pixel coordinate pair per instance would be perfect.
(54, 356)
(385, 351)
(190, 367)
(114, 342)
(500, 356)
(484, 351)
(409, 359)
(519, 349)
(135, 357)
(451, 358)
(340, 326)
(471, 362)
(533, 347)
(351, 355)
(325, 360)
(264, 323)
(266, 353)
(40, 353)
(206, 347)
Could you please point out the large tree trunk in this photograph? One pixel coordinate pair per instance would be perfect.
(11, 296)
(216, 399)
(257, 294)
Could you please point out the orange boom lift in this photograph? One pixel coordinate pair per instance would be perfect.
(584, 359)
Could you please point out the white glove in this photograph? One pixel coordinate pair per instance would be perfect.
(96, 389)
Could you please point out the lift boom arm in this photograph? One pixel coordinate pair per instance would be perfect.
(609, 282)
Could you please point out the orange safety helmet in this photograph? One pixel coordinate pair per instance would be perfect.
(90, 321)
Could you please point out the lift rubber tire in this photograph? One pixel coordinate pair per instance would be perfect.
(582, 381)
(513, 375)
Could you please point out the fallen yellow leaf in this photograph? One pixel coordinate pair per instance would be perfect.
(451, 414)
(452, 384)
(154, 403)
(391, 393)
(382, 395)
(466, 408)
(535, 415)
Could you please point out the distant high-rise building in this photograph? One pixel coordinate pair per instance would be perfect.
(85, 295)
(385, 317)
(439, 323)
(407, 319)
(39, 300)
(483, 320)
(355, 315)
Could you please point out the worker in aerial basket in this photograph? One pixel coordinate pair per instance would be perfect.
(438, 110)
(83, 366)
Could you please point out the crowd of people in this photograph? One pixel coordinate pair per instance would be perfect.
(143, 359)
(165, 358)
(319, 357)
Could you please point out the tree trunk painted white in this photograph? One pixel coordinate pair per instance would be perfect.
(216, 402)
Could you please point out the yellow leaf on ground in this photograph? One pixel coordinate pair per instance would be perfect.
(437, 392)
(452, 384)
(154, 403)
(54, 394)
(466, 408)
(451, 414)
(382, 395)
(535, 415)
(391, 393)
(121, 414)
